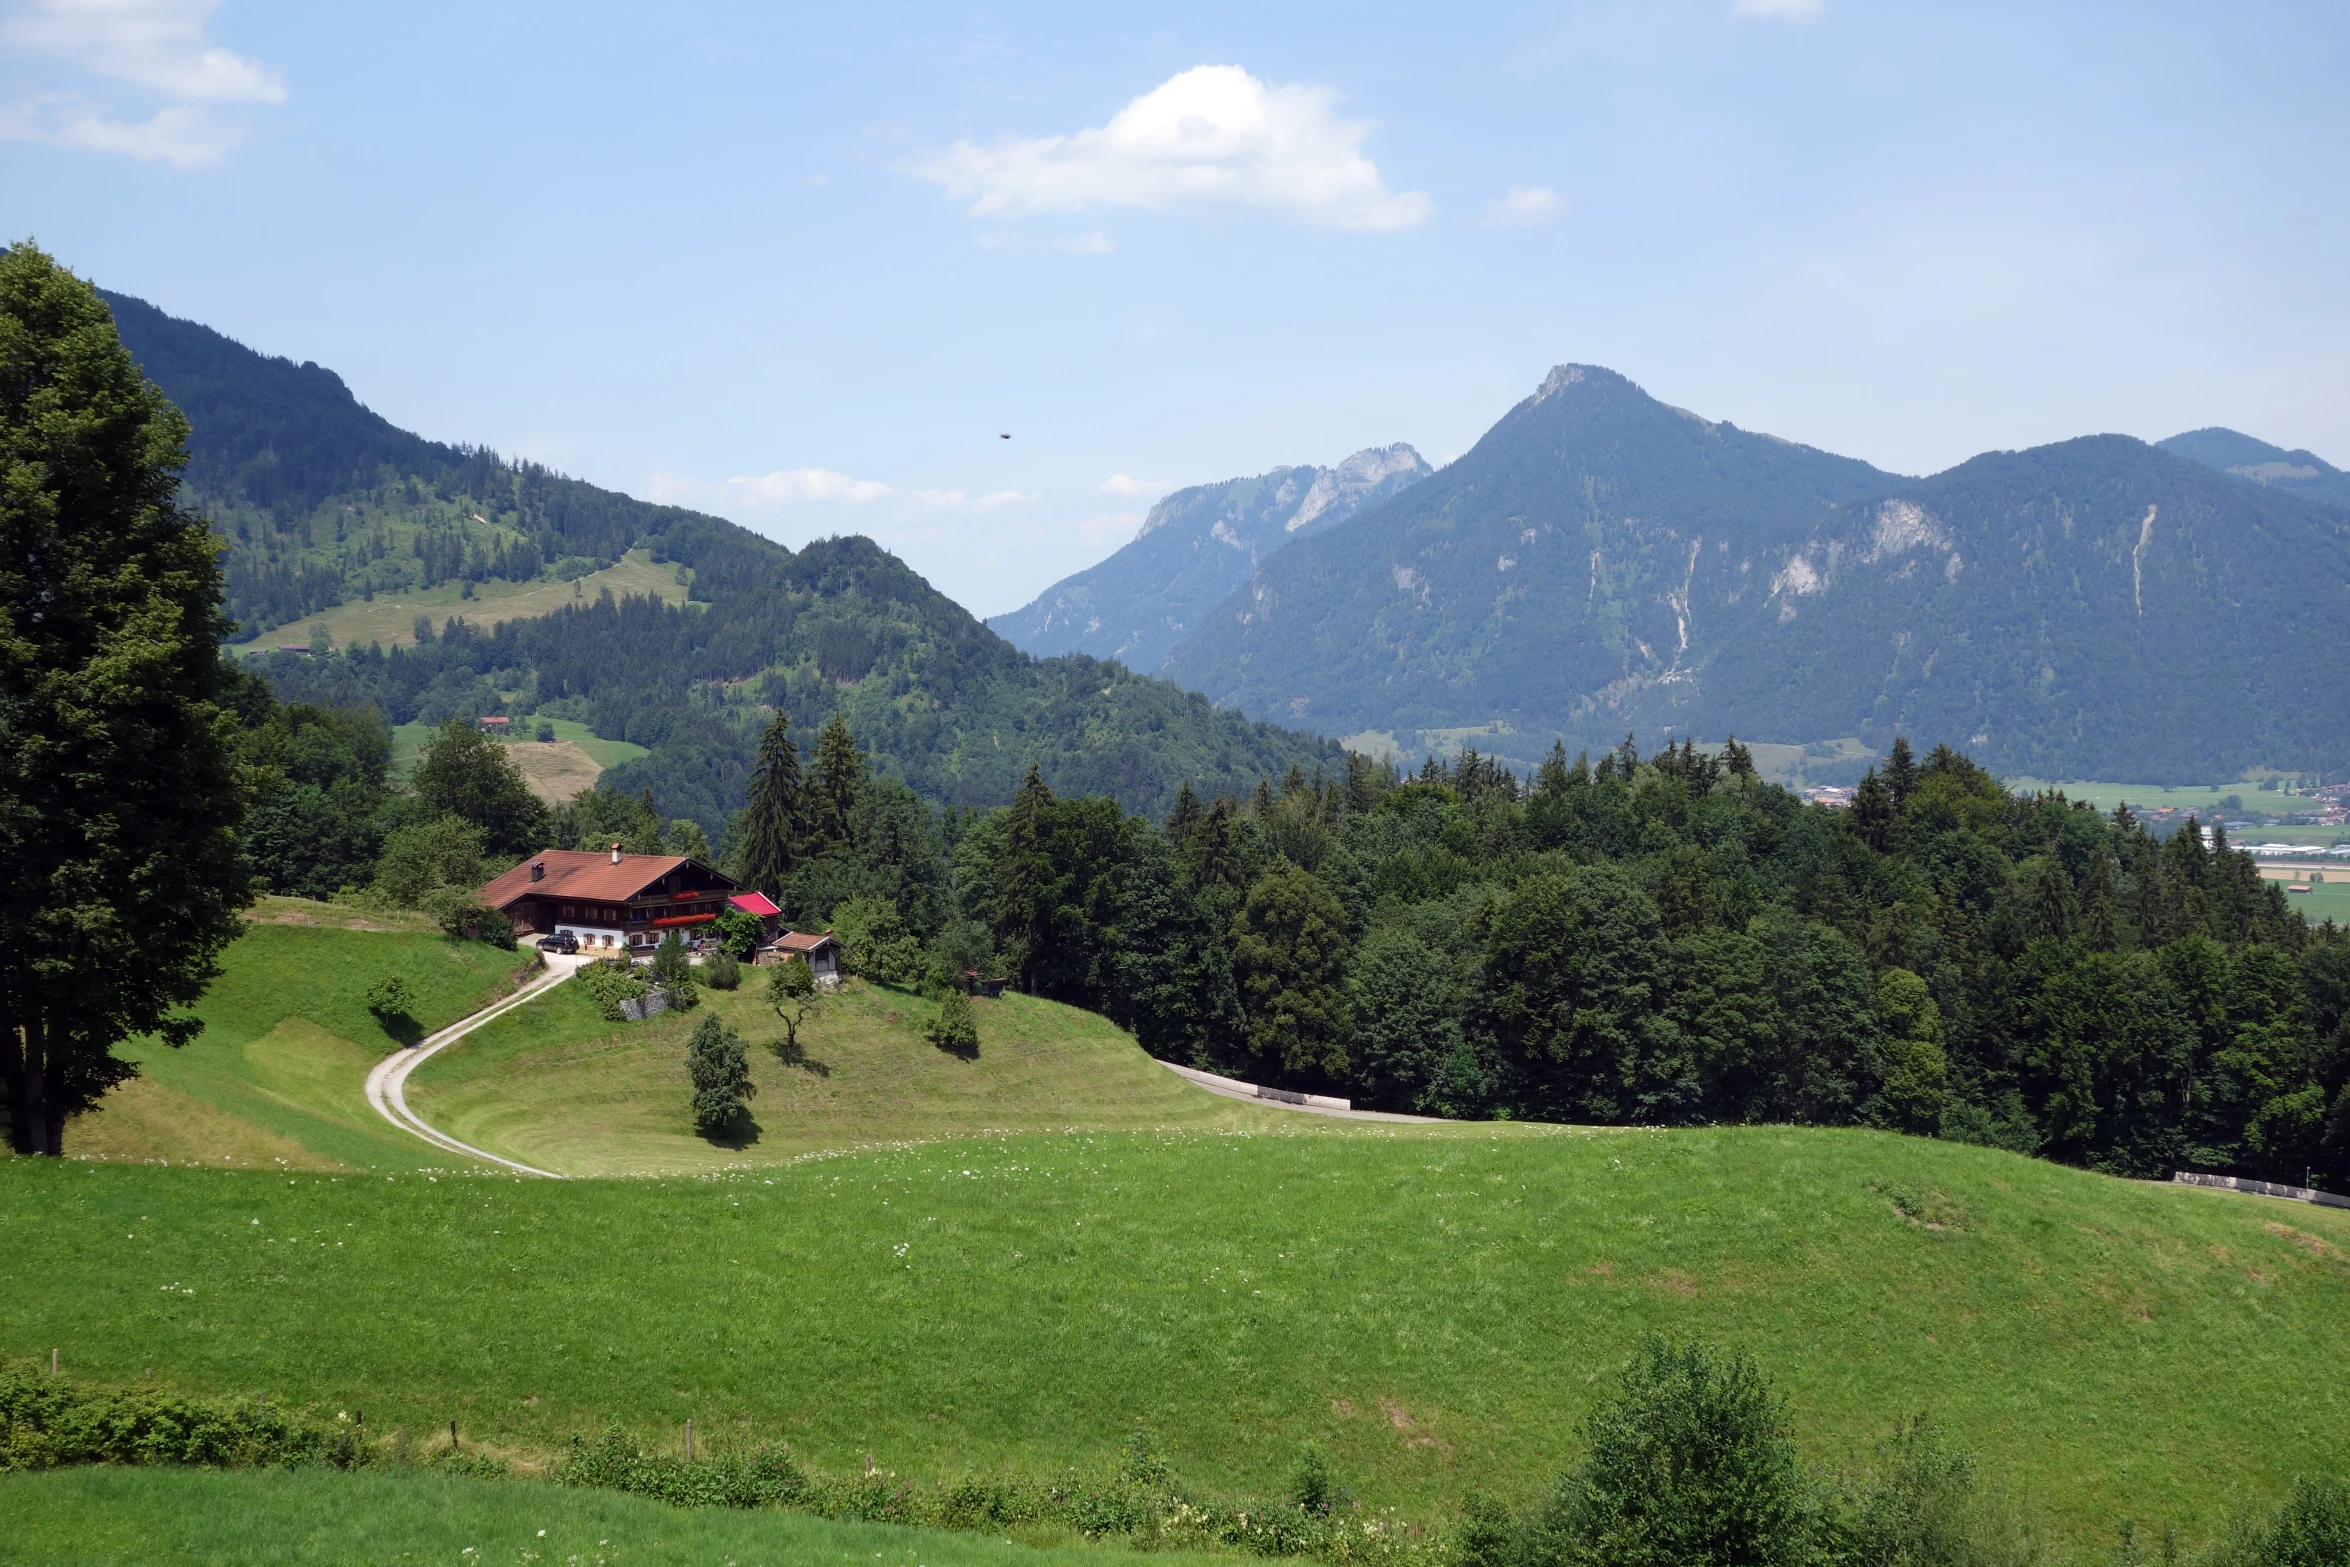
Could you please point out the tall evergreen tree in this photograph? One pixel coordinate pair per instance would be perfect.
(1024, 876)
(832, 787)
(772, 822)
(1184, 819)
(1901, 772)
(120, 876)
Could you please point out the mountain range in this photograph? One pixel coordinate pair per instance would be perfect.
(1602, 562)
(318, 500)
(1197, 546)
(2299, 473)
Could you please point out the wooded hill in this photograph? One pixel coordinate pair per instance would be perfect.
(320, 500)
(1601, 562)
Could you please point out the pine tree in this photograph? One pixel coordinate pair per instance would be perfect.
(1901, 772)
(1738, 759)
(1184, 819)
(1023, 875)
(772, 823)
(1552, 776)
(120, 870)
(832, 789)
(1217, 862)
(1872, 812)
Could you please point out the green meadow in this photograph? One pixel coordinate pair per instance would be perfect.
(276, 1079)
(408, 741)
(1436, 1311)
(1004, 1264)
(269, 1518)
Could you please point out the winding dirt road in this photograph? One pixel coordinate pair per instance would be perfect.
(386, 1084)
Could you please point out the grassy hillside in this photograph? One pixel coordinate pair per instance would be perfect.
(277, 1076)
(155, 1515)
(1437, 1312)
(554, 1085)
(390, 616)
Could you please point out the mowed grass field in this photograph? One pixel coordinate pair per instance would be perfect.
(576, 745)
(268, 1518)
(1436, 1311)
(277, 1078)
(553, 1085)
(390, 618)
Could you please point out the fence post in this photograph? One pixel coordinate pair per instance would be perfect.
(689, 1439)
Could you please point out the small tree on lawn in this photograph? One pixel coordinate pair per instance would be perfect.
(390, 997)
(721, 1074)
(791, 991)
(671, 966)
(953, 1028)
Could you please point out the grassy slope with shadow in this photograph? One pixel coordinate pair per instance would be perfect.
(277, 1517)
(553, 1084)
(279, 1073)
(1436, 1309)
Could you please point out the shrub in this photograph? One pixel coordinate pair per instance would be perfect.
(953, 1028)
(1693, 1461)
(390, 997)
(721, 1074)
(739, 931)
(2311, 1529)
(462, 915)
(767, 1478)
(720, 971)
(47, 1421)
(611, 982)
(445, 852)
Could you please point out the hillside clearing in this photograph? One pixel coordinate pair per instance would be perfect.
(390, 618)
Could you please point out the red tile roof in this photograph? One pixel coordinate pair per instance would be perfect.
(576, 873)
(754, 903)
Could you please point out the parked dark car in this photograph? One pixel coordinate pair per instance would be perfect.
(562, 941)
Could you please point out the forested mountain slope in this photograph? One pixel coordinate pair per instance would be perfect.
(1601, 562)
(320, 500)
(1539, 579)
(2301, 473)
(1195, 547)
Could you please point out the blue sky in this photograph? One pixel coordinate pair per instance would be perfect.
(801, 266)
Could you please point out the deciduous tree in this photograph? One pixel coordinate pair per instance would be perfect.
(120, 873)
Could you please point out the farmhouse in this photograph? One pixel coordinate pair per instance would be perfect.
(617, 902)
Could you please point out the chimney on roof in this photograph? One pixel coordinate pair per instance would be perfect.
(538, 870)
(616, 854)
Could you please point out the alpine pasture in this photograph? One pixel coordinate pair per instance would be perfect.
(1005, 1265)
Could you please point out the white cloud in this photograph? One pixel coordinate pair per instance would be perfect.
(1524, 205)
(1781, 10)
(1213, 138)
(989, 502)
(158, 45)
(785, 486)
(1127, 484)
(186, 136)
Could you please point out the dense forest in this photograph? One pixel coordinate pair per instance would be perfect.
(1662, 940)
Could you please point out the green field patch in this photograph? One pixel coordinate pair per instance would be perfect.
(287, 1044)
(390, 618)
(554, 1085)
(409, 740)
(141, 1516)
(1435, 1311)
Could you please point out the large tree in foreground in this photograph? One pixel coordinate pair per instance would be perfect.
(120, 876)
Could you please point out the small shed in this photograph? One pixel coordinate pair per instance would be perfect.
(823, 954)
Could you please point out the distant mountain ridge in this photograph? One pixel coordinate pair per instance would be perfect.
(318, 499)
(2299, 473)
(1194, 548)
(1600, 561)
